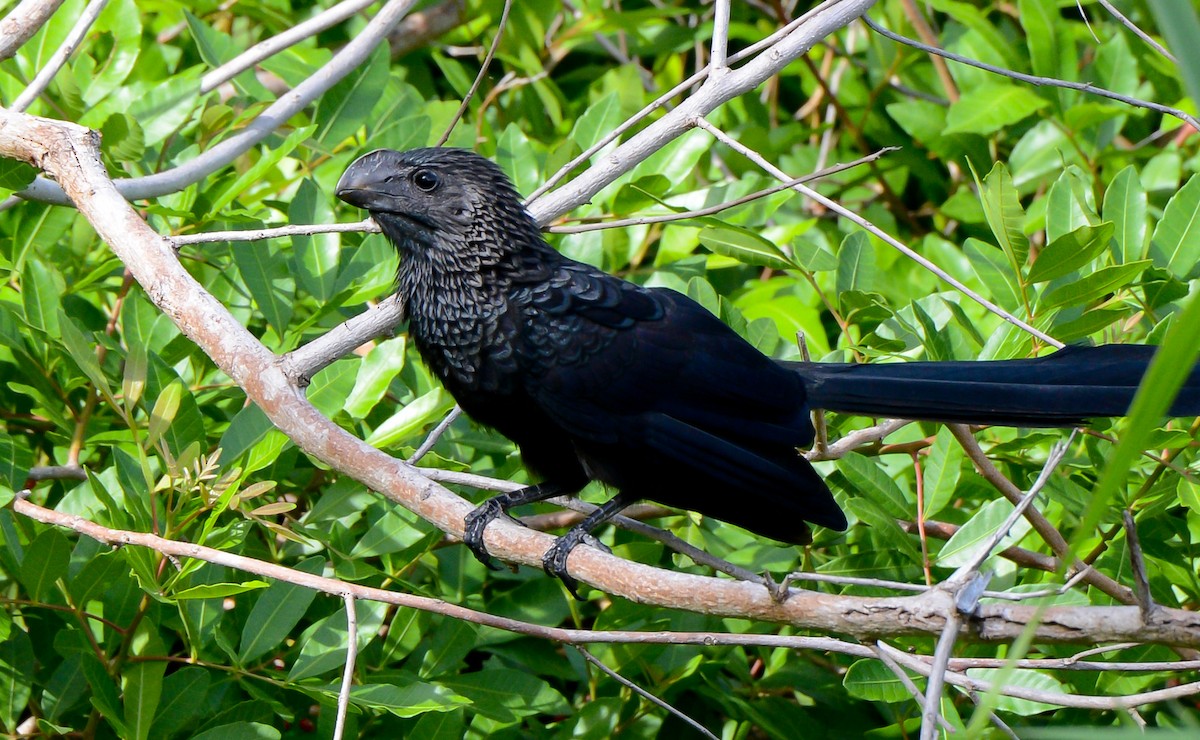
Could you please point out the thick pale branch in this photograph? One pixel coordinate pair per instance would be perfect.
(20, 25)
(270, 120)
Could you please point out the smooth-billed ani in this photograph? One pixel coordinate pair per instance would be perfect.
(594, 377)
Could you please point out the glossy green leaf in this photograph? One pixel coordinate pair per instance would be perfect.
(276, 612)
(1175, 244)
(744, 246)
(988, 108)
(1070, 252)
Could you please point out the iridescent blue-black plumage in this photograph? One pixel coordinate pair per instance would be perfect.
(594, 377)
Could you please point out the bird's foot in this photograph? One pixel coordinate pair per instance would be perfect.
(554, 561)
(476, 522)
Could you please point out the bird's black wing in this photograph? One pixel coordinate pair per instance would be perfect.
(663, 400)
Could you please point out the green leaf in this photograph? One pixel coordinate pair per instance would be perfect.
(990, 107)
(123, 138)
(408, 700)
(942, 470)
(506, 695)
(44, 563)
(239, 731)
(857, 269)
(971, 537)
(15, 175)
(598, 120)
(314, 258)
(346, 107)
(218, 590)
(269, 159)
(744, 246)
(184, 695)
(1070, 252)
(1002, 207)
(267, 278)
(869, 479)
(276, 612)
(40, 292)
(323, 647)
(873, 681)
(16, 458)
(17, 670)
(166, 406)
(1100, 283)
(330, 387)
(1175, 245)
(423, 411)
(1125, 207)
(141, 684)
(375, 374)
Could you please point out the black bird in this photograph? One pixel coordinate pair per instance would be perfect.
(594, 377)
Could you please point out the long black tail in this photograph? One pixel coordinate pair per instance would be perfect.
(1063, 389)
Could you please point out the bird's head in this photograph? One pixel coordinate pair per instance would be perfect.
(437, 199)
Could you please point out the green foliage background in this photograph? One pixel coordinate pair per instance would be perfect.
(1076, 213)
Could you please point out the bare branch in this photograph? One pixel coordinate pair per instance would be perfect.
(435, 435)
(1112, 9)
(1085, 87)
(302, 363)
(710, 210)
(250, 235)
(343, 707)
(643, 693)
(46, 74)
(279, 42)
(718, 62)
(937, 676)
(275, 116)
(1049, 697)
(483, 68)
(23, 22)
(1046, 530)
(850, 215)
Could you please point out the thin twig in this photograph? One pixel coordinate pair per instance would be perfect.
(1137, 31)
(850, 215)
(908, 683)
(251, 235)
(435, 435)
(937, 676)
(1085, 87)
(710, 210)
(643, 693)
(1057, 452)
(339, 727)
(1138, 563)
(483, 68)
(46, 74)
(281, 41)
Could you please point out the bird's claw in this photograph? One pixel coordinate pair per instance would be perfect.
(554, 561)
(475, 523)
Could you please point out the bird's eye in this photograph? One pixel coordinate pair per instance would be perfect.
(426, 180)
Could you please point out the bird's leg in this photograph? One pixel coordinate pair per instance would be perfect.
(555, 560)
(494, 507)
